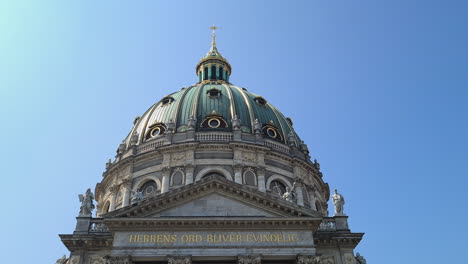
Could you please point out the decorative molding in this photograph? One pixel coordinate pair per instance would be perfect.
(118, 260)
(179, 260)
(249, 260)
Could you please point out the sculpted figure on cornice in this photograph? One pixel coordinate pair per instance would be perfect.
(338, 202)
(87, 205)
(61, 260)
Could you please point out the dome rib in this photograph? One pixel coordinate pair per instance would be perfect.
(249, 107)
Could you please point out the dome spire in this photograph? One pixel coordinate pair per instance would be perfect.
(213, 67)
(213, 36)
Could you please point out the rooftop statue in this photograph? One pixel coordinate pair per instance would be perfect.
(61, 260)
(360, 259)
(338, 202)
(87, 204)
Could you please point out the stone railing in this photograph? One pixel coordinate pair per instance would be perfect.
(151, 145)
(219, 136)
(327, 225)
(97, 225)
(277, 146)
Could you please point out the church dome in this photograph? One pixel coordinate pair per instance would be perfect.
(212, 128)
(213, 106)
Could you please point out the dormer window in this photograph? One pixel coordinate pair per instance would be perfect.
(167, 100)
(213, 93)
(260, 100)
(155, 130)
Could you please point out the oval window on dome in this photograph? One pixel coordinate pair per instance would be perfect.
(155, 131)
(271, 132)
(260, 100)
(167, 100)
(214, 123)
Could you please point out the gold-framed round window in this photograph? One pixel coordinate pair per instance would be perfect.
(214, 122)
(155, 131)
(271, 132)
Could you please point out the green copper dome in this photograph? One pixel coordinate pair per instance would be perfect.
(214, 105)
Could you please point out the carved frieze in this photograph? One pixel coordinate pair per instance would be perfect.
(118, 260)
(96, 260)
(249, 156)
(179, 260)
(178, 156)
(249, 260)
(315, 260)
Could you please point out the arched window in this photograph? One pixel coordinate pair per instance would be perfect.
(250, 178)
(318, 206)
(221, 73)
(149, 188)
(205, 73)
(213, 72)
(177, 178)
(277, 187)
(105, 208)
(213, 173)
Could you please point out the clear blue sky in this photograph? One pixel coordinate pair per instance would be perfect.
(378, 90)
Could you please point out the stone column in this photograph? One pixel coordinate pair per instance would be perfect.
(114, 189)
(189, 174)
(299, 195)
(127, 184)
(261, 179)
(165, 180)
(312, 200)
(238, 174)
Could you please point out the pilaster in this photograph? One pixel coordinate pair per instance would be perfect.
(165, 180)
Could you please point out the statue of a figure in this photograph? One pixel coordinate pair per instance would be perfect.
(134, 139)
(236, 123)
(316, 165)
(191, 123)
(360, 259)
(170, 126)
(291, 139)
(87, 204)
(338, 202)
(289, 193)
(137, 196)
(257, 126)
(61, 260)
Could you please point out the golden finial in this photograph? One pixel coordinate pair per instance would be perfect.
(213, 35)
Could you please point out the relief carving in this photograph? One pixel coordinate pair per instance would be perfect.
(97, 260)
(315, 260)
(249, 156)
(178, 156)
(118, 260)
(249, 260)
(179, 260)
